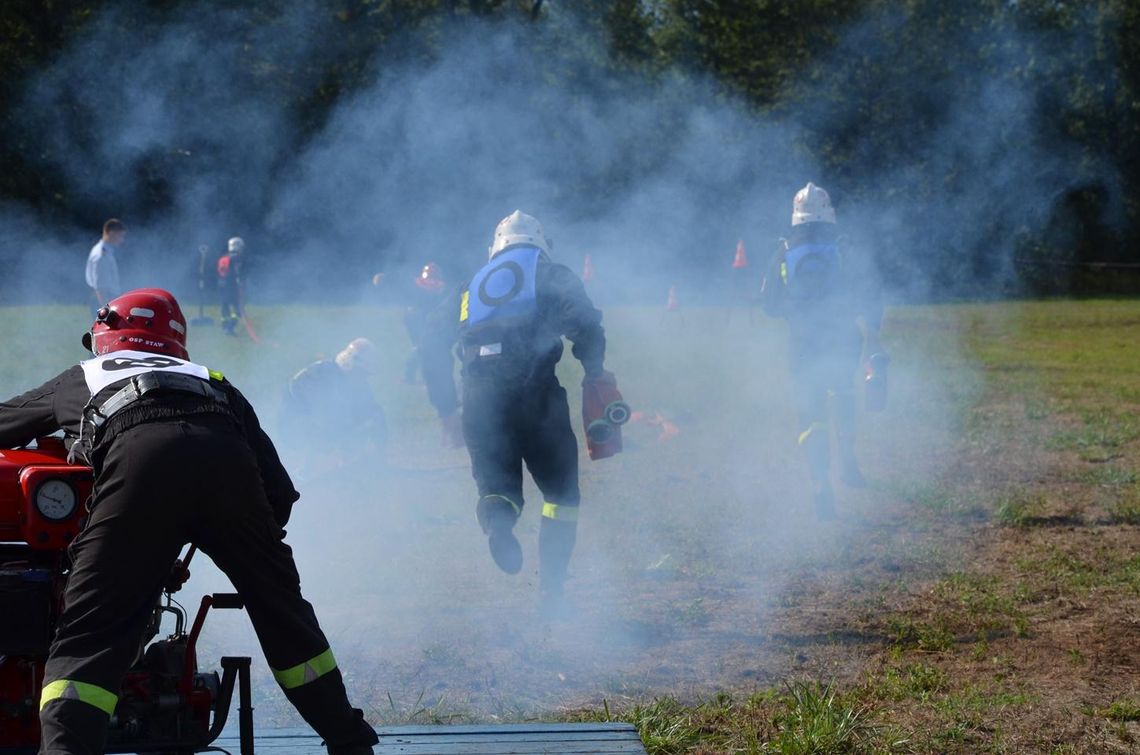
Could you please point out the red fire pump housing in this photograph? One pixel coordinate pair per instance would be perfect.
(166, 704)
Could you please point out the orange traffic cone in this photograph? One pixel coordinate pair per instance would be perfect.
(671, 304)
(741, 259)
(669, 430)
(588, 270)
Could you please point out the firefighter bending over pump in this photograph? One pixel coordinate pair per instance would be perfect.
(178, 455)
(509, 321)
(823, 293)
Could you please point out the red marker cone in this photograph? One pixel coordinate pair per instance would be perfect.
(588, 270)
(741, 259)
(671, 304)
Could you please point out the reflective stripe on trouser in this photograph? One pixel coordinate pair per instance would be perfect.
(306, 672)
(516, 507)
(560, 512)
(494, 511)
(71, 689)
(815, 427)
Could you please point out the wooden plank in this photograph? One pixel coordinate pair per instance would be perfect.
(485, 728)
(476, 739)
(512, 736)
(508, 748)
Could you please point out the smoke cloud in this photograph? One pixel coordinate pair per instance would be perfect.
(656, 179)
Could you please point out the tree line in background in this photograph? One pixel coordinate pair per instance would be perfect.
(771, 53)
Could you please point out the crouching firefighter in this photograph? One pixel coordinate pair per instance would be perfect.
(509, 321)
(825, 295)
(178, 456)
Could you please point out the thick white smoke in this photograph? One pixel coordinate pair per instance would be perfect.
(680, 541)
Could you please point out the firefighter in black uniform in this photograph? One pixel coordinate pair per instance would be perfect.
(178, 456)
(329, 415)
(823, 294)
(425, 297)
(509, 322)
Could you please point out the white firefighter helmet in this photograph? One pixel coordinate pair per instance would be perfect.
(812, 205)
(236, 245)
(359, 354)
(515, 229)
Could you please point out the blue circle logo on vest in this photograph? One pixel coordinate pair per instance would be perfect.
(504, 288)
(502, 284)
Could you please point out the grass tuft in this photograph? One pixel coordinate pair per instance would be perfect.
(932, 638)
(1019, 510)
(816, 721)
(916, 681)
(1125, 511)
(1121, 710)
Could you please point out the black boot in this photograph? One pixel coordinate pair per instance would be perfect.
(323, 703)
(497, 516)
(350, 750)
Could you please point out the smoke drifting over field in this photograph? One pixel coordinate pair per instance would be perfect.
(657, 181)
(663, 175)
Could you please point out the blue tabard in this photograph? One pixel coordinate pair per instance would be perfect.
(828, 253)
(503, 289)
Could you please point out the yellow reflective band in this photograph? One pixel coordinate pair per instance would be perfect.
(784, 272)
(807, 433)
(69, 689)
(463, 306)
(561, 513)
(215, 375)
(306, 672)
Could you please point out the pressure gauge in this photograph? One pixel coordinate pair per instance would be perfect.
(55, 499)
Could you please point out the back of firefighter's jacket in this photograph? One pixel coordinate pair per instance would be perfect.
(503, 331)
(129, 388)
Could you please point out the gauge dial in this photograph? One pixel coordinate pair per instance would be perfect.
(55, 499)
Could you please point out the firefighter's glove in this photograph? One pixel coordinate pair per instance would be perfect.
(452, 427)
(179, 574)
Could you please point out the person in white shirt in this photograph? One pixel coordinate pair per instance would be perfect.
(102, 267)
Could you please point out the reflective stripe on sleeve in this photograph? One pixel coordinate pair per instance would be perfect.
(306, 672)
(69, 689)
(463, 306)
(561, 513)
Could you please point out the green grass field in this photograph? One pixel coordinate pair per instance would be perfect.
(982, 594)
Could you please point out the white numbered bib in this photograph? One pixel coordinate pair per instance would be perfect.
(120, 365)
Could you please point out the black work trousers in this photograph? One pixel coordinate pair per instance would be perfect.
(161, 485)
(230, 298)
(823, 368)
(506, 426)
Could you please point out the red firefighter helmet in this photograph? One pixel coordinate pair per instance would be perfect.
(146, 319)
(430, 277)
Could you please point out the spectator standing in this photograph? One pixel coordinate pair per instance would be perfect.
(102, 272)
